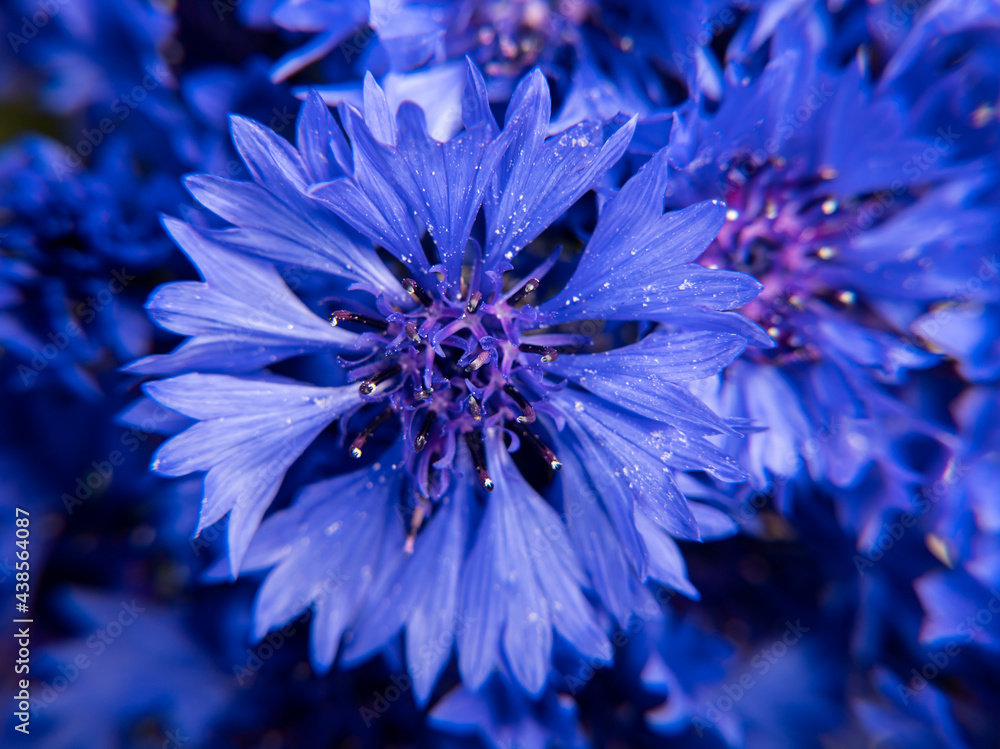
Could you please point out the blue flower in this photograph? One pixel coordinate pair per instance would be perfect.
(74, 245)
(605, 57)
(93, 51)
(507, 38)
(860, 224)
(437, 362)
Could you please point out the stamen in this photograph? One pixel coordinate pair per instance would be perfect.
(368, 386)
(528, 436)
(475, 443)
(474, 299)
(475, 409)
(421, 441)
(478, 362)
(411, 331)
(415, 522)
(529, 413)
(343, 315)
(414, 289)
(529, 286)
(548, 353)
(368, 431)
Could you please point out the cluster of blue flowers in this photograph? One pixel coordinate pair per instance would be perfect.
(503, 373)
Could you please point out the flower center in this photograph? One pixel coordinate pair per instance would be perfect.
(517, 33)
(776, 232)
(454, 365)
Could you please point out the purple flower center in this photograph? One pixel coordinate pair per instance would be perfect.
(516, 34)
(787, 238)
(456, 364)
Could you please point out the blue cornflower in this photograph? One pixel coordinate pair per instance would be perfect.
(507, 38)
(604, 57)
(93, 51)
(858, 222)
(75, 243)
(446, 364)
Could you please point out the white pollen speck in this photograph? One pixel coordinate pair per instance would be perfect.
(578, 406)
(332, 528)
(686, 285)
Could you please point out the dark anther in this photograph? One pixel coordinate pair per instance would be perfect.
(478, 362)
(474, 299)
(368, 386)
(528, 436)
(475, 409)
(548, 353)
(411, 331)
(421, 441)
(475, 443)
(368, 431)
(529, 413)
(416, 291)
(343, 315)
(530, 285)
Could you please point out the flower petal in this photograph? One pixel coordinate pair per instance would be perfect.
(241, 318)
(539, 179)
(249, 433)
